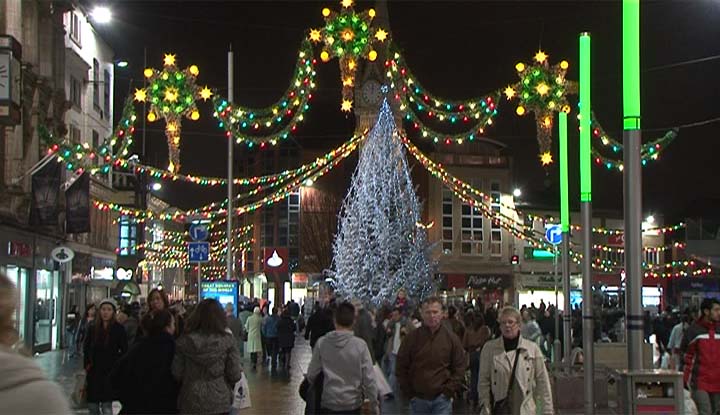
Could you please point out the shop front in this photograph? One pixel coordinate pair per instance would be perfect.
(487, 288)
(690, 291)
(534, 288)
(26, 259)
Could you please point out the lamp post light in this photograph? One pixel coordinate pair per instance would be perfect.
(101, 15)
(517, 192)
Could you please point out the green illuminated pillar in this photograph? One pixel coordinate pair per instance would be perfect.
(585, 152)
(586, 213)
(632, 142)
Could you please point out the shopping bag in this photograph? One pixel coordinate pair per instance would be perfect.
(383, 387)
(241, 394)
(79, 394)
(690, 408)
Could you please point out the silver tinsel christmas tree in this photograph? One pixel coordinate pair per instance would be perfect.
(380, 246)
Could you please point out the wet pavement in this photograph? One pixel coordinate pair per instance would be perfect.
(271, 392)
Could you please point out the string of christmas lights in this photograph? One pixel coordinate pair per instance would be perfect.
(261, 126)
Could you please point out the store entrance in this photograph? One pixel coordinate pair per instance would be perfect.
(45, 316)
(19, 276)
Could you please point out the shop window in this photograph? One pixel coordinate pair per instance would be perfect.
(128, 236)
(447, 221)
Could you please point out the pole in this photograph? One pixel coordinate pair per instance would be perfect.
(229, 254)
(199, 282)
(565, 226)
(144, 106)
(586, 213)
(556, 343)
(632, 141)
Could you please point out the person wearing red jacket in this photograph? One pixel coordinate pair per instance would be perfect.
(702, 362)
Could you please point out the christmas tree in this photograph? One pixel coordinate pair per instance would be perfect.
(381, 246)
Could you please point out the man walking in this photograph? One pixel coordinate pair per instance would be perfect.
(345, 362)
(702, 366)
(431, 364)
(270, 331)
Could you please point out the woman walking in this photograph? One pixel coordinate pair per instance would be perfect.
(513, 378)
(476, 334)
(207, 362)
(105, 343)
(143, 376)
(253, 326)
(286, 338)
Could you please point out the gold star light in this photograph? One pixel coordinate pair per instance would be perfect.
(542, 89)
(171, 95)
(381, 35)
(546, 158)
(509, 92)
(140, 95)
(205, 93)
(346, 105)
(541, 57)
(346, 3)
(169, 59)
(315, 35)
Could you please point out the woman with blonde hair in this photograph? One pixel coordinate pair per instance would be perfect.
(513, 378)
(24, 389)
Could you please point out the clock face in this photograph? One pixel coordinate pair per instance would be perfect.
(371, 92)
(4, 76)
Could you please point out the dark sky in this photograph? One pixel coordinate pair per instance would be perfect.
(457, 50)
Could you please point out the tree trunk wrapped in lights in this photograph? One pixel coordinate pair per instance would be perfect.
(381, 245)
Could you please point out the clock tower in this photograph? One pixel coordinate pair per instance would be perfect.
(370, 79)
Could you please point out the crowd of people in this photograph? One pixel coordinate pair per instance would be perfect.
(428, 357)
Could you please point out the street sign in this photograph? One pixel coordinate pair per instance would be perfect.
(198, 251)
(553, 234)
(198, 232)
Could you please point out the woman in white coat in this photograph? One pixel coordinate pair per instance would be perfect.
(253, 327)
(529, 388)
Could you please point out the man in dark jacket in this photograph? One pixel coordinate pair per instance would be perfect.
(431, 364)
(363, 327)
(286, 338)
(319, 323)
(702, 366)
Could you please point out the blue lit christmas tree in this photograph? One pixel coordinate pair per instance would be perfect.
(380, 246)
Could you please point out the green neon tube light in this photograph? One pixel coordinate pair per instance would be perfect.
(631, 64)
(585, 149)
(564, 193)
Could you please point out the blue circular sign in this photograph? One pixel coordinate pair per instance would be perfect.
(553, 234)
(198, 232)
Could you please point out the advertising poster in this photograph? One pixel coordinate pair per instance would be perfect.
(225, 292)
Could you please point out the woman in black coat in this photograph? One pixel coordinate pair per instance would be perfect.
(105, 343)
(286, 338)
(143, 377)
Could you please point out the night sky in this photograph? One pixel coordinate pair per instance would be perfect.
(457, 50)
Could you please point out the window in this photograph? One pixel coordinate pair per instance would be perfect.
(76, 93)
(471, 229)
(447, 221)
(74, 134)
(293, 224)
(495, 229)
(128, 236)
(106, 90)
(95, 145)
(249, 261)
(652, 257)
(95, 82)
(75, 28)
(267, 230)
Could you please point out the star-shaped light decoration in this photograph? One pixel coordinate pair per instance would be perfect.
(169, 59)
(381, 35)
(348, 36)
(315, 35)
(546, 158)
(140, 95)
(205, 93)
(509, 92)
(542, 90)
(171, 94)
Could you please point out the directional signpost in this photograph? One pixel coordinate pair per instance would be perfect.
(199, 249)
(554, 236)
